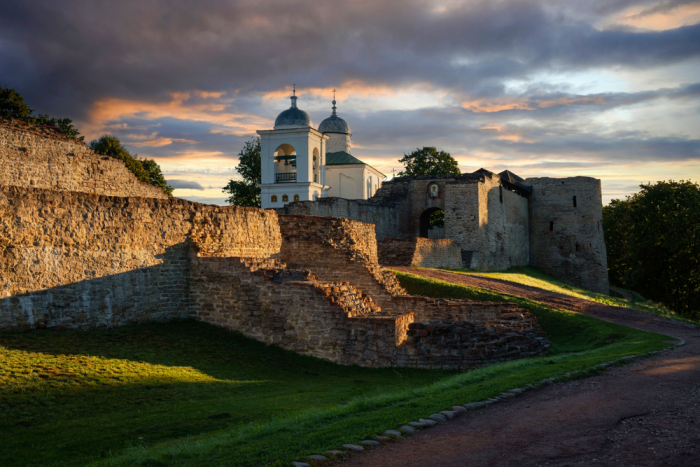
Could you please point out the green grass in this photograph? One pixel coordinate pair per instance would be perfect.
(191, 394)
(533, 277)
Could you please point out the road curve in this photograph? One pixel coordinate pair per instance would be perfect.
(643, 414)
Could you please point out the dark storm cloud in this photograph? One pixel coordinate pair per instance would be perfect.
(65, 55)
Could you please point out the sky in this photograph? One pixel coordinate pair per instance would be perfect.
(545, 88)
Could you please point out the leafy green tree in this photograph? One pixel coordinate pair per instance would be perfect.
(617, 223)
(437, 219)
(12, 105)
(428, 161)
(655, 247)
(245, 192)
(155, 176)
(146, 170)
(65, 124)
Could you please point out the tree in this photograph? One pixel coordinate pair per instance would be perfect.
(146, 170)
(245, 192)
(655, 246)
(616, 227)
(428, 161)
(12, 105)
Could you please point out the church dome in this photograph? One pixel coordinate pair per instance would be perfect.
(334, 124)
(293, 117)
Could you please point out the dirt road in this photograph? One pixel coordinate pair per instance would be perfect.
(644, 414)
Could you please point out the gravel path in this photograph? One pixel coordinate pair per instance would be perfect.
(643, 414)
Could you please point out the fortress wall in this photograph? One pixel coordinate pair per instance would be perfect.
(74, 260)
(505, 235)
(290, 309)
(384, 218)
(420, 252)
(38, 157)
(567, 241)
(489, 222)
(463, 217)
(339, 250)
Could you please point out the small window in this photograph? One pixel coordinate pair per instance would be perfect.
(273, 198)
(500, 194)
(296, 197)
(285, 198)
(574, 201)
(578, 248)
(315, 178)
(551, 226)
(434, 190)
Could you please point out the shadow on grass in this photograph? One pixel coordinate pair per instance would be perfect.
(82, 394)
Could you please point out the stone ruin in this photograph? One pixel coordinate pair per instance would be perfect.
(83, 244)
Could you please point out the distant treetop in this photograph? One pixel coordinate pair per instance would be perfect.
(428, 161)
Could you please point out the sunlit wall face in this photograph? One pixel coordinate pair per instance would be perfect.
(608, 89)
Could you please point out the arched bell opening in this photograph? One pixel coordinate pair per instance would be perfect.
(285, 163)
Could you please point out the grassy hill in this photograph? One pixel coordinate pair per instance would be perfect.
(189, 394)
(533, 277)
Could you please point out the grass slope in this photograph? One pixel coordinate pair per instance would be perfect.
(190, 394)
(533, 277)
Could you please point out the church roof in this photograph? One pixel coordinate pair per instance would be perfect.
(293, 116)
(341, 158)
(334, 124)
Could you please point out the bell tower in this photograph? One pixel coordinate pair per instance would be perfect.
(292, 158)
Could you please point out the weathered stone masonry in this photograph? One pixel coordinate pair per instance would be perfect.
(71, 259)
(420, 252)
(38, 157)
(497, 220)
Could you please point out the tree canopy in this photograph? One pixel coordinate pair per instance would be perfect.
(12, 105)
(428, 161)
(653, 244)
(146, 170)
(245, 192)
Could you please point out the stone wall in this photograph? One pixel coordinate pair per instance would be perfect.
(465, 344)
(75, 260)
(566, 240)
(420, 252)
(385, 218)
(489, 222)
(37, 157)
(338, 250)
(335, 321)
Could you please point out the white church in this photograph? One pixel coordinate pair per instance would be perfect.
(302, 163)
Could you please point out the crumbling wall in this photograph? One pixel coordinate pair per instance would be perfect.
(74, 260)
(566, 231)
(37, 157)
(420, 252)
(340, 250)
(459, 345)
(337, 322)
